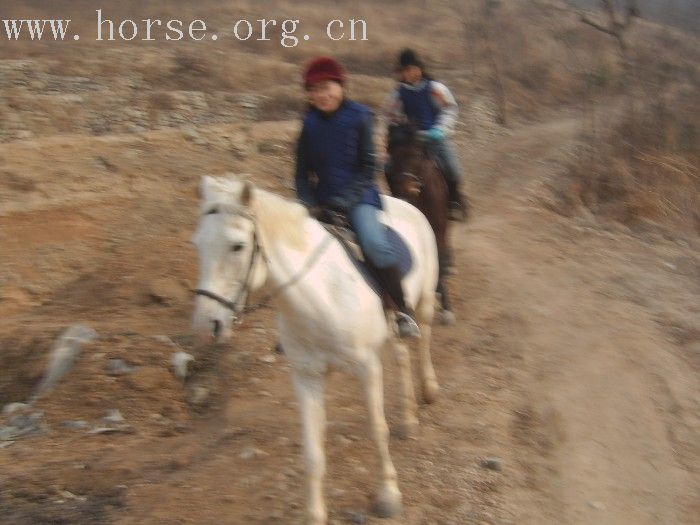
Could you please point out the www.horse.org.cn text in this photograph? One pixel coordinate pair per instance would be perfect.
(288, 33)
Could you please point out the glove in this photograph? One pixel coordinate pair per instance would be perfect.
(338, 204)
(435, 134)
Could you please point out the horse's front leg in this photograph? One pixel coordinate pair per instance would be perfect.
(310, 393)
(429, 383)
(388, 499)
(409, 422)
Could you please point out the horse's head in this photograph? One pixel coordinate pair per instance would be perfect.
(230, 263)
(408, 153)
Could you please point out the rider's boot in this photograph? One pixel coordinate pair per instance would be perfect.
(390, 279)
(457, 205)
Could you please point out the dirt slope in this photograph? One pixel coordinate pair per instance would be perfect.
(574, 361)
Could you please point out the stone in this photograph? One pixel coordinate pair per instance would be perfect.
(11, 408)
(597, 505)
(491, 464)
(179, 362)
(112, 430)
(252, 453)
(23, 425)
(63, 356)
(165, 339)
(117, 367)
(75, 425)
(356, 517)
(113, 416)
(199, 395)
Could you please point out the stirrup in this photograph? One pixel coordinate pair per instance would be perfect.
(407, 326)
(456, 211)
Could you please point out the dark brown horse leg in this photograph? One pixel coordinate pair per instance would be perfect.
(448, 316)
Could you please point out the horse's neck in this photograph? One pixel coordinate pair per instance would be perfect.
(289, 263)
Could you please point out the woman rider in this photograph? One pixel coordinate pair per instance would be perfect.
(336, 146)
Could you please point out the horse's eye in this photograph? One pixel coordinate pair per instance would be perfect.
(237, 247)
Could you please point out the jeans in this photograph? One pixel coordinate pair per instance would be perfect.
(447, 159)
(372, 235)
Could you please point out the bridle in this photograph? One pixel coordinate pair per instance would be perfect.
(234, 304)
(419, 177)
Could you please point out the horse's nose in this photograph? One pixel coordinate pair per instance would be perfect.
(216, 328)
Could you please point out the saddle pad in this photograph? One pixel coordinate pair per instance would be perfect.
(348, 240)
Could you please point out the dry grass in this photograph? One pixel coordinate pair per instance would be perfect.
(642, 167)
(643, 170)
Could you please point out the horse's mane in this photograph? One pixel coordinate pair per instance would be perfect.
(279, 219)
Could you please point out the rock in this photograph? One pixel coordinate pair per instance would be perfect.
(190, 133)
(271, 148)
(126, 429)
(179, 362)
(63, 355)
(199, 395)
(249, 102)
(597, 505)
(113, 416)
(117, 367)
(75, 425)
(270, 358)
(491, 464)
(239, 146)
(23, 425)
(356, 517)
(11, 408)
(165, 339)
(252, 453)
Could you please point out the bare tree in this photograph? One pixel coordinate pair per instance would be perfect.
(618, 24)
(489, 11)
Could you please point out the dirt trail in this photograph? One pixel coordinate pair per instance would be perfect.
(619, 406)
(574, 363)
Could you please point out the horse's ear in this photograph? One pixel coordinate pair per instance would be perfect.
(247, 193)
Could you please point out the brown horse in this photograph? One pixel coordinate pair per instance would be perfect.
(414, 175)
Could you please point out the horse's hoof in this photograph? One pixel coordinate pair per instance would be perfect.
(407, 429)
(431, 391)
(447, 317)
(388, 504)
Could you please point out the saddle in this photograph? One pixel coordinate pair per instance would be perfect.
(338, 225)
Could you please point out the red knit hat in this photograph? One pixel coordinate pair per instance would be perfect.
(323, 68)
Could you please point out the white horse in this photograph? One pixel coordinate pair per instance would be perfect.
(250, 240)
